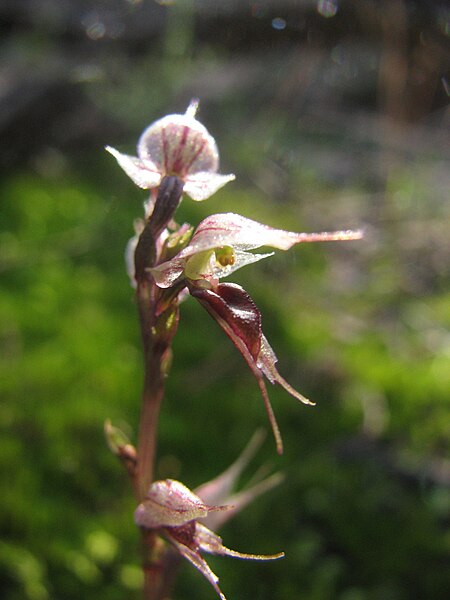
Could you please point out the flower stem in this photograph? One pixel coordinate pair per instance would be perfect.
(157, 331)
(152, 396)
(160, 567)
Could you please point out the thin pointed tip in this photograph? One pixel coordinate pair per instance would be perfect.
(346, 235)
(358, 234)
(306, 401)
(271, 415)
(292, 391)
(191, 110)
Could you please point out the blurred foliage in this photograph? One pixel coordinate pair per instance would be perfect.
(360, 328)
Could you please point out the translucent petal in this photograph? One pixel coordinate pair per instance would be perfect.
(241, 234)
(210, 542)
(145, 175)
(241, 260)
(229, 229)
(219, 488)
(168, 272)
(130, 249)
(266, 362)
(202, 185)
(242, 499)
(197, 560)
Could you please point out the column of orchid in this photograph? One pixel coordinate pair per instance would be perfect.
(167, 262)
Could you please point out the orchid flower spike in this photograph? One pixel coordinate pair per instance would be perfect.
(173, 510)
(220, 246)
(176, 145)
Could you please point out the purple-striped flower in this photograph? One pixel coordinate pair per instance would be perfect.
(176, 145)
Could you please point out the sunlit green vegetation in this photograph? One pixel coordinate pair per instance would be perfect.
(360, 328)
(362, 501)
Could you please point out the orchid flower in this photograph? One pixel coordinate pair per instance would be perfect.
(174, 511)
(220, 246)
(176, 145)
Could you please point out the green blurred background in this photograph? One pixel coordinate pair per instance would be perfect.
(331, 115)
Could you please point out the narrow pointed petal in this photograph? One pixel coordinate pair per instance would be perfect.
(240, 234)
(218, 489)
(229, 229)
(236, 313)
(145, 175)
(200, 186)
(245, 497)
(240, 500)
(210, 542)
(269, 410)
(266, 362)
(197, 560)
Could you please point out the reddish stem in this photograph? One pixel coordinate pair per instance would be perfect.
(158, 567)
(153, 391)
(152, 396)
(157, 331)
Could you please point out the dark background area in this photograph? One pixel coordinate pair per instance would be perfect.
(332, 115)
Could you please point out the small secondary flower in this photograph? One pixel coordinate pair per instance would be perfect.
(174, 511)
(176, 145)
